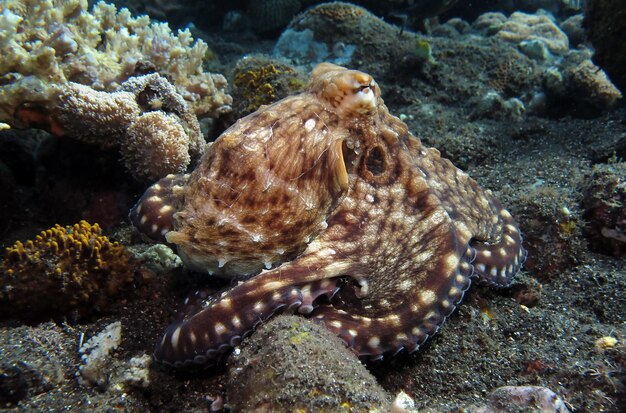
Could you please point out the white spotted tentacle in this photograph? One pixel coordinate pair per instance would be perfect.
(372, 337)
(220, 324)
(496, 264)
(153, 214)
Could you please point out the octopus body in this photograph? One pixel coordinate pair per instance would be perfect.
(325, 204)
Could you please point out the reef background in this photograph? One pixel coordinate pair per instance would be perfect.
(535, 124)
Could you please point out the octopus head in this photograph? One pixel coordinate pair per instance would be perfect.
(269, 184)
(347, 92)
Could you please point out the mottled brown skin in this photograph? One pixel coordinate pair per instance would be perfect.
(334, 197)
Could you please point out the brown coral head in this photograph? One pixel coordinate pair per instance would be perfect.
(348, 92)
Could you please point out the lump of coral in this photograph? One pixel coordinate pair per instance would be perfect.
(61, 270)
(347, 34)
(261, 81)
(578, 84)
(605, 209)
(272, 15)
(521, 27)
(94, 76)
(152, 125)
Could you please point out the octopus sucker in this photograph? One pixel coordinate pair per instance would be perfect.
(324, 204)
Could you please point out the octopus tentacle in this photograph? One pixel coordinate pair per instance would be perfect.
(221, 323)
(374, 336)
(497, 263)
(438, 275)
(153, 214)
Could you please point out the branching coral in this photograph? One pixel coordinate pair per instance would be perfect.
(80, 74)
(63, 269)
(57, 41)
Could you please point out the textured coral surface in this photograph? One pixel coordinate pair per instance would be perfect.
(605, 21)
(52, 42)
(63, 269)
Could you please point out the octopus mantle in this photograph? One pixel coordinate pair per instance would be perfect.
(325, 204)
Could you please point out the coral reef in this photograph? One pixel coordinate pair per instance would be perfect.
(605, 23)
(63, 269)
(79, 74)
(260, 81)
(52, 42)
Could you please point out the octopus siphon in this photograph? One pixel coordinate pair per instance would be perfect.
(324, 204)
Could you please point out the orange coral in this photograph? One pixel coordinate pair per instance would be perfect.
(63, 269)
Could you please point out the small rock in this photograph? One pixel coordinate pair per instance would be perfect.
(95, 355)
(403, 403)
(535, 49)
(510, 399)
(293, 364)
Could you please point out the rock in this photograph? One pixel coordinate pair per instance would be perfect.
(511, 399)
(291, 363)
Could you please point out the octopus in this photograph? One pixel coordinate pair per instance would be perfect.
(324, 204)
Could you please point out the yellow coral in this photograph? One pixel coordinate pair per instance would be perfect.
(260, 81)
(62, 269)
(255, 84)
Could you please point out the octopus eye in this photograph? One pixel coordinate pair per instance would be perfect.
(363, 89)
(362, 100)
(375, 161)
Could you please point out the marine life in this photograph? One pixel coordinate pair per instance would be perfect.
(325, 204)
(61, 270)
